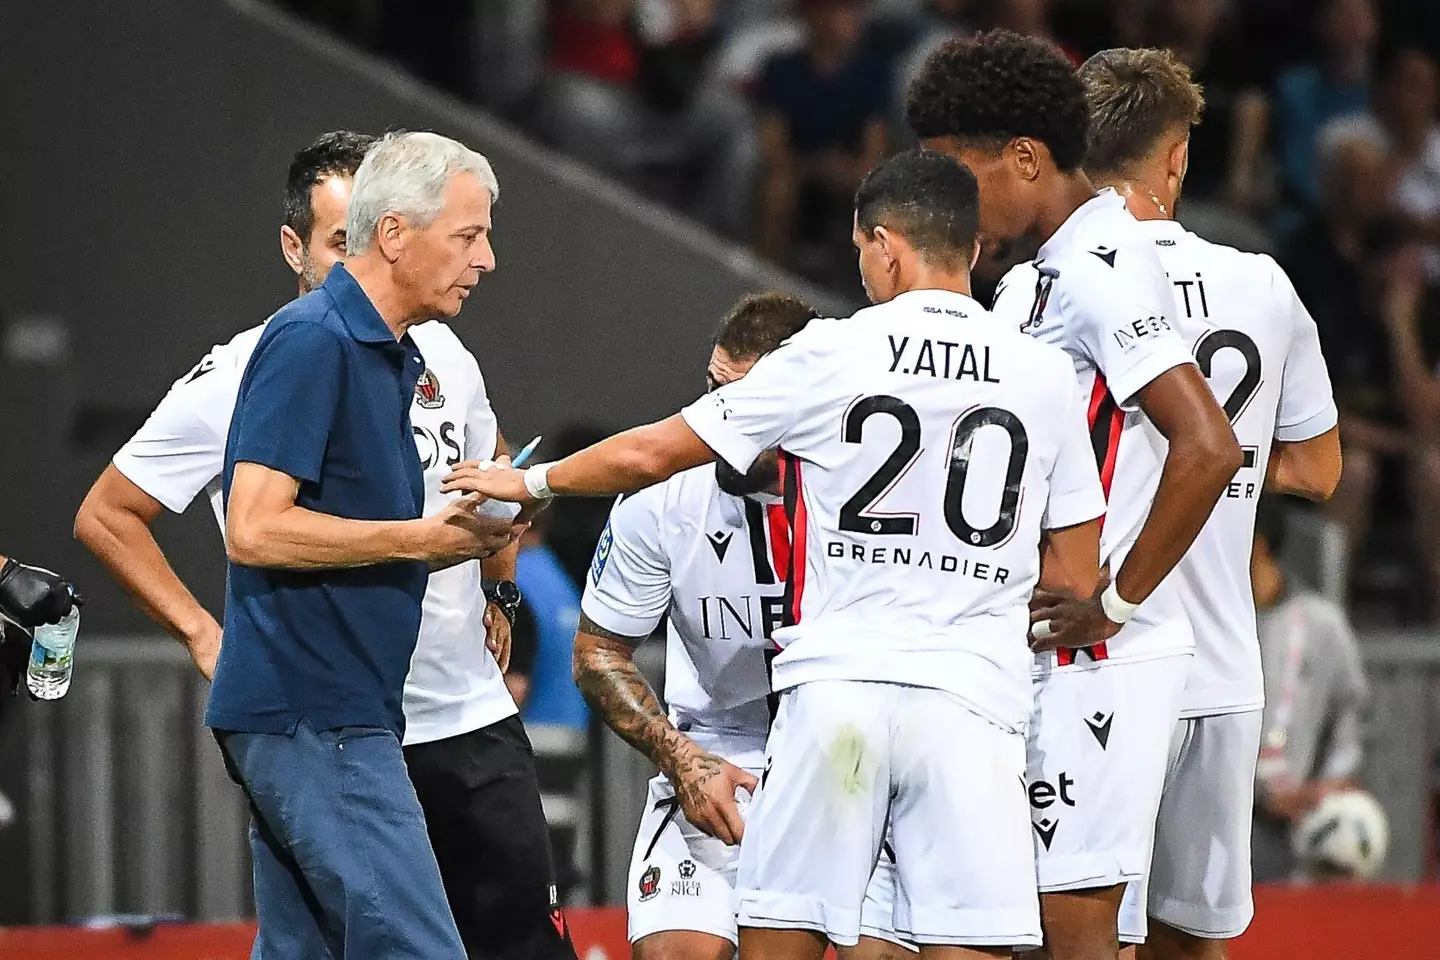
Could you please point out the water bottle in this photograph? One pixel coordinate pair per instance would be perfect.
(52, 657)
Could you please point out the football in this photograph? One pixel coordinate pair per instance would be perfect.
(1347, 833)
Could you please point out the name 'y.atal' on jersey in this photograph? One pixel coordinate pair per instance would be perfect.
(1258, 347)
(1097, 290)
(926, 448)
(713, 564)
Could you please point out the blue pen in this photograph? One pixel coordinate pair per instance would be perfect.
(524, 454)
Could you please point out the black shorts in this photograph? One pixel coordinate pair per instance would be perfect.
(482, 808)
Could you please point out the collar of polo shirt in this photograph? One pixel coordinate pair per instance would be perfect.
(361, 318)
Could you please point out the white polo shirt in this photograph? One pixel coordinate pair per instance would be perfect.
(454, 686)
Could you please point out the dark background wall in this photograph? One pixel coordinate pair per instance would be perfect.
(143, 147)
(144, 151)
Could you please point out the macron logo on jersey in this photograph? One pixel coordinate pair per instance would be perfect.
(201, 368)
(720, 542)
(1105, 255)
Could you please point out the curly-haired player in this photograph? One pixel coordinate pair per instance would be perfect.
(1013, 110)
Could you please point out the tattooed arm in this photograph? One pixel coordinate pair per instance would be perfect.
(605, 672)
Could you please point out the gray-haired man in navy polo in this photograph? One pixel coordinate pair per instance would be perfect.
(329, 562)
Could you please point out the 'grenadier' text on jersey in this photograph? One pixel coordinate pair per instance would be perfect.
(926, 448)
(1097, 290)
(454, 685)
(1257, 345)
(714, 564)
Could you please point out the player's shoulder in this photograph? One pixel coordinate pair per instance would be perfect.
(670, 500)
(685, 488)
(1018, 281)
(234, 353)
(443, 349)
(821, 334)
(438, 335)
(222, 365)
(1247, 264)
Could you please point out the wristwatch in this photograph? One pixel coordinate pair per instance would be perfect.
(504, 594)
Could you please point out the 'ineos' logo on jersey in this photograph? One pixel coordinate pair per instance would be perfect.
(729, 618)
(432, 447)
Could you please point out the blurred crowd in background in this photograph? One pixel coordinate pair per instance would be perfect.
(1320, 146)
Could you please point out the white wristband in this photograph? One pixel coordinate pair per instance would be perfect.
(1116, 607)
(537, 482)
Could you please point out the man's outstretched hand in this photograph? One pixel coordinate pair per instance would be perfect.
(495, 480)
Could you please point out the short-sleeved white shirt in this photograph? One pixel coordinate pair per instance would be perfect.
(1097, 290)
(454, 685)
(926, 448)
(1258, 347)
(713, 566)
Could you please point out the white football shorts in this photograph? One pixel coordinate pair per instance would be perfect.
(683, 879)
(846, 758)
(1200, 874)
(1096, 760)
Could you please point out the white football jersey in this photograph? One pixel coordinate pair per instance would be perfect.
(926, 448)
(713, 564)
(1097, 290)
(454, 685)
(1258, 347)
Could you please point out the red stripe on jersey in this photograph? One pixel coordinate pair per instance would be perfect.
(779, 539)
(796, 514)
(1106, 421)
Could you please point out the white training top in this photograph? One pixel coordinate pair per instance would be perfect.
(455, 685)
(714, 564)
(1097, 290)
(927, 446)
(1259, 348)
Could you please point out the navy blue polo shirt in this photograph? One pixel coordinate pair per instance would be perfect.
(325, 399)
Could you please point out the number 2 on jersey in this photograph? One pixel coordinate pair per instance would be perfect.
(858, 516)
(1212, 343)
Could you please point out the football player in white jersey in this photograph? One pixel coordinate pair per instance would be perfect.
(464, 746)
(1012, 109)
(928, 449)
(1258, 347)
(707, 550)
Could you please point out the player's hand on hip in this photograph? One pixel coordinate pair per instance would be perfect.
(497, 635)
(1058, 620)
(706, 788)
(496, 480)
(458, 533)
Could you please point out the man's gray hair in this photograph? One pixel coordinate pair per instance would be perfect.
(406, 173)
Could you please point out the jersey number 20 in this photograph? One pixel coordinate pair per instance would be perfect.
(857, 515)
